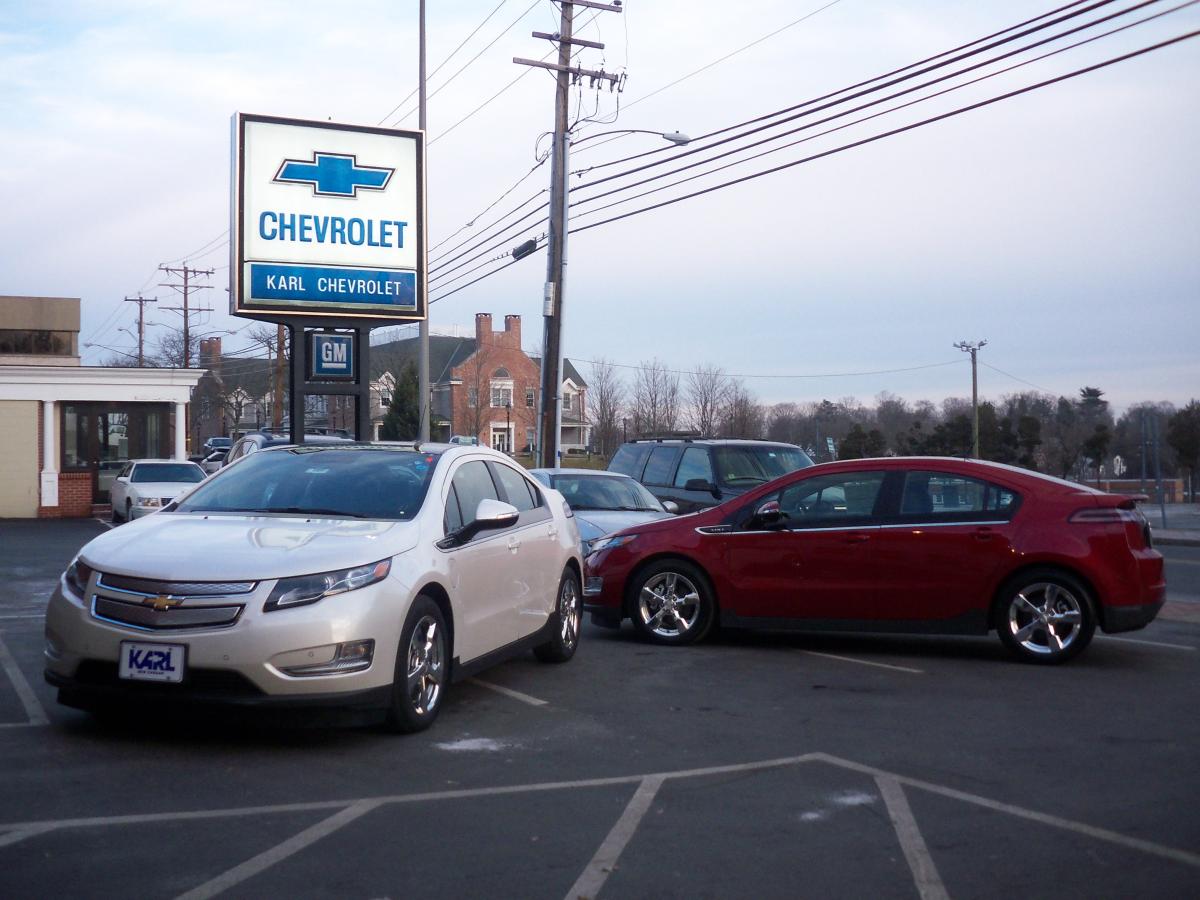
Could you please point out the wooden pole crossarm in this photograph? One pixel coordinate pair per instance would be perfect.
(570, 70)
(579, 42)
(591, 4)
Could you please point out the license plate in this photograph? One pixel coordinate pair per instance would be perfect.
(152, 662)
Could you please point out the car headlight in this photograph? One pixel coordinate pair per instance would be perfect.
(607, 543)
(77, 576)
(307, 589)
(149, 502)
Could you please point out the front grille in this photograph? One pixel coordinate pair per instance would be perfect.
(208, 682)
(139, 615)
(176, 588)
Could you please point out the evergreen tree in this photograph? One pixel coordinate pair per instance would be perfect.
(402, 421)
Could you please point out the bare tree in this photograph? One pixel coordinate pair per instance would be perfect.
(708, 393)
(607, 400)
(655, 403)
(743, 417)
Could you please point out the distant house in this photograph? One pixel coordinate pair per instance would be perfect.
(486, 387)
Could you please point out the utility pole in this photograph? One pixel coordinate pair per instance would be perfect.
(550, 411)
(424, 395)
(973, 349)
(186, 311)
(141, 302)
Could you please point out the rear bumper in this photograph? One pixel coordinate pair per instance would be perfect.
(1130, 618)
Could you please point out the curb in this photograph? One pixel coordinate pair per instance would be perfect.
(1170, 540)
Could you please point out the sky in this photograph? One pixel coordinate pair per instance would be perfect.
(1060, 225)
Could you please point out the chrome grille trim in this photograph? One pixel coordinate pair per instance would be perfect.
(152, 588)
(147, 618)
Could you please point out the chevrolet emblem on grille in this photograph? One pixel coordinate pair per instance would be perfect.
(162, 602)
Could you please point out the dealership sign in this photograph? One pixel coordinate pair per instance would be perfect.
(331, 357)
(327, 220)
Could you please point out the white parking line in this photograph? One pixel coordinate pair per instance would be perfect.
(1147, 643)
(589, 883)
(508, 692)
(108, 525)
(279, 852)
(25, 616)
(924, 872)
(33, 708)
(866, 662)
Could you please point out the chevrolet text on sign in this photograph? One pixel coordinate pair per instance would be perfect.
(328, 220)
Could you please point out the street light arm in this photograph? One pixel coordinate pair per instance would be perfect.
(678, 138)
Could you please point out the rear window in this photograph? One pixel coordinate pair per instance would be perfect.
(146, 473)
(629, 459)
(660, 466)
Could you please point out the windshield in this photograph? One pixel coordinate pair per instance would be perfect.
(219, 442)
(605, 492)
(748, 465)
(144, 473)
(362, 483)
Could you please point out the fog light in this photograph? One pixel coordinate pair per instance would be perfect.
(353, 656)
(53, 648)
(593, 586)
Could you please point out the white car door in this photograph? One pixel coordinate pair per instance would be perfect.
(484, 572)
(119, 490)
(540, 552)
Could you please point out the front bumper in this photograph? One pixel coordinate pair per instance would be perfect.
(240, 664)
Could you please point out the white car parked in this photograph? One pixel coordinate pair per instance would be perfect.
(358, 576)
(145, 486)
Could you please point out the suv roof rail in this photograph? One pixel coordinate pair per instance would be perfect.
(686, 436)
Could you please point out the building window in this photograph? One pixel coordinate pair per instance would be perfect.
(502, 394)
(385, 400)
(530, 398)
(35, 343)
(567, 400)
(472, 397)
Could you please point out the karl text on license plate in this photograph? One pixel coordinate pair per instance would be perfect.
(152, 662)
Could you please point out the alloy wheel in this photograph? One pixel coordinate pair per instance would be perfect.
(1045, 618)
(669, 604)
(425, 666)
(568, 612)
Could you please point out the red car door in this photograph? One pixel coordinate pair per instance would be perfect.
(938, 554)
(817, 563)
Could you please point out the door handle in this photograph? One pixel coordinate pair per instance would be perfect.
(552, 530)
(857, 538)
(984, 534)
(513, 544)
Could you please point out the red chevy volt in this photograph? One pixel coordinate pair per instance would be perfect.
(919, 545)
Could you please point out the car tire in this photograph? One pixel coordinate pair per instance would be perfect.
(672, 602)
(1045, 616)
(116, 520)
(422, 669)
(564, 623)
(128, 517)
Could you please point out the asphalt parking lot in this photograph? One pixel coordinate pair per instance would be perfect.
(759, 766)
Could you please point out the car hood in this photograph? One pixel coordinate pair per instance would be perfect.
(594, 523)
(198, 547)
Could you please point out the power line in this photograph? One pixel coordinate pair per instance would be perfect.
(1015, 378)
(895, 131)
(442, 64)
(471, 61)
(874, 103)
(485, 243)
(952, 362)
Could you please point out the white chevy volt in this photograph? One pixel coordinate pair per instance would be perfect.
(363, 577)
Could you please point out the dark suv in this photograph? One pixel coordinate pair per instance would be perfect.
(697, 473)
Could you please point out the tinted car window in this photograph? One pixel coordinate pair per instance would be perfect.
(628, 459)
(841, 498)
(749, 465)
(942, 495)
(658, 468)
(453, 519)
(144, 473)
(473, 483)
(519, 491)
(584, 492)
(696, 463)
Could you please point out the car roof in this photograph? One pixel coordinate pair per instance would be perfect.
(715, 442)
(568, 470)
(138, 462)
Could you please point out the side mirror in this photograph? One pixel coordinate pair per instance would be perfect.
(489, 516)
(769, 515)
(671, 506)
(124, 479)
(702, 484)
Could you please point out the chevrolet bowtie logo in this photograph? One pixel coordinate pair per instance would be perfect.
(162, 602)
(333, 174)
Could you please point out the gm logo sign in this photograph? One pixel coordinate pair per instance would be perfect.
(331, 356)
